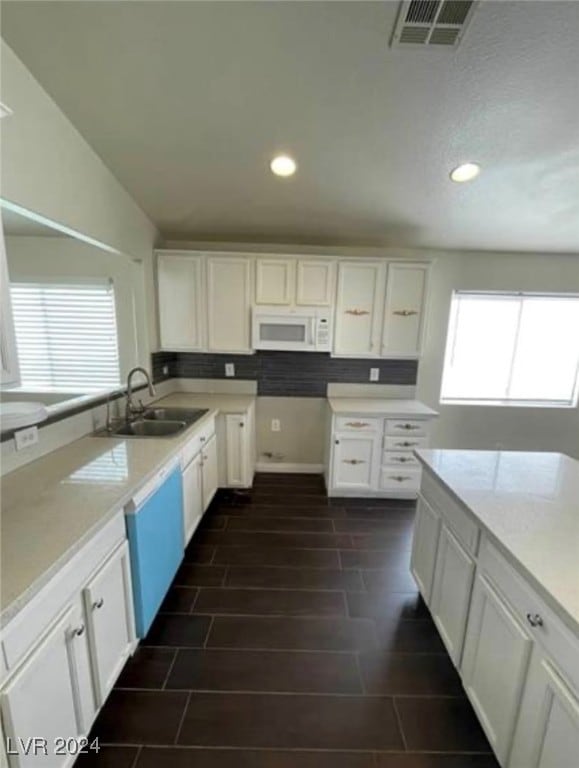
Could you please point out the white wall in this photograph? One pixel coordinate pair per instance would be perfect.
(49, 169)
(533, 429)
(33, 258)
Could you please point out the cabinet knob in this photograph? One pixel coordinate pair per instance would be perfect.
(79, 631)
(98, 603)
(241, 424)
(202, 439)
(535, 619)
(337, 442)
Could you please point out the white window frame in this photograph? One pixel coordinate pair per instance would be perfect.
(505, 402)
(66, 283)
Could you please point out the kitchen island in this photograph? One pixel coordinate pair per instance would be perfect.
(495, 556)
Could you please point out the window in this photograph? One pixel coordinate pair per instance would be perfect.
(512, 349)
(66, 335)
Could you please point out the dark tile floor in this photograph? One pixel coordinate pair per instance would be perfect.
(293, 637)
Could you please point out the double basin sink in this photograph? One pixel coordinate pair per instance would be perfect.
(157, 422)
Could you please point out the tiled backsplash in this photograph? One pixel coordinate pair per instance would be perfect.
(284, 374)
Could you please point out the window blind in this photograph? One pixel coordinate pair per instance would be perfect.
(66, 335)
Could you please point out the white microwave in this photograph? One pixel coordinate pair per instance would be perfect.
(296, 330)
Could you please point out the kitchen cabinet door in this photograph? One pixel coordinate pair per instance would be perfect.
(451, 590)
(496, 655)
(192, 497)
(315, 282)
(358, 309)
(425, 547)
(237, 450)
(229, 304)
(547, 732)
(209, 464)
(108, 600)
(404, 309)
(355, 461)
(8, 354)
(181, 306)
(274, 281)
(47, 697)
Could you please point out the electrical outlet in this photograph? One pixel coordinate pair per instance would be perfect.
(165, 370)
(24, 438)
(229, 369)
(275, 425)
(374, 374)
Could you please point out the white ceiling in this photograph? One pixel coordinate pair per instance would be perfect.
(186, 102)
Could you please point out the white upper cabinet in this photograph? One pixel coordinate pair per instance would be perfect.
(274, 281)
(358, 308)
(8, 356)
(315, 282)
(404, 309)
(229, 304)
(295, 281)
(180, 284)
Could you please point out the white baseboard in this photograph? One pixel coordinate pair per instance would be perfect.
(308, 469)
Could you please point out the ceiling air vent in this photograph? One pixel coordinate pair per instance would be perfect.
(437, 23)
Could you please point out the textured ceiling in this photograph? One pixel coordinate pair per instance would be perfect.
(186, 102)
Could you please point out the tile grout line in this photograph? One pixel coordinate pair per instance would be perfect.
(137, 756)
(209, 628)
(399, 721)
(182, 720)
(171, 665)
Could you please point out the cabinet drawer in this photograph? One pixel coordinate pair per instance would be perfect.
(197, 442)
(461, 524)
(400, 459)
(400, 479)
(357, 424)
(406, 427)
(404, 443)
(530, 608)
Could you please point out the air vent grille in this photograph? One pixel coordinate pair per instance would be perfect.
(432, 22)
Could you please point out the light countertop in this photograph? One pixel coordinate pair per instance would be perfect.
(381, 406)
(53, 506)
(528, 503)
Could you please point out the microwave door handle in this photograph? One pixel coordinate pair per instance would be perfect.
(313, 331)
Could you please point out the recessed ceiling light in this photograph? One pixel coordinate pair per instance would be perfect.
(465, 172)
(283, 165)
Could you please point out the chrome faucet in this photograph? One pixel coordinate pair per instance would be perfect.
(130, 409)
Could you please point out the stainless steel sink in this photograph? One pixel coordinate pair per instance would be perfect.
(188, 415)
(150, 428)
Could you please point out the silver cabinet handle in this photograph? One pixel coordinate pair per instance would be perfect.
(336, 442)
(535, 620)
(357, 424)
(407, 427)
(78, 632)
(203, 439)
(401, 459)
(406, 444)
(354, 461)
(356, 312)
(405, 312)
(98, 603)
(400, 478)
(241, 424)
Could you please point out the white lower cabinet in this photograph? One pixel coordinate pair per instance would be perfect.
(547, 734)
(209, 471)
(237, 450)
(48, 696)
(355, 461)
(192, 496)
(64, 652)
(496, 655)
(451, 592)
(109, 612)
(424, 547)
